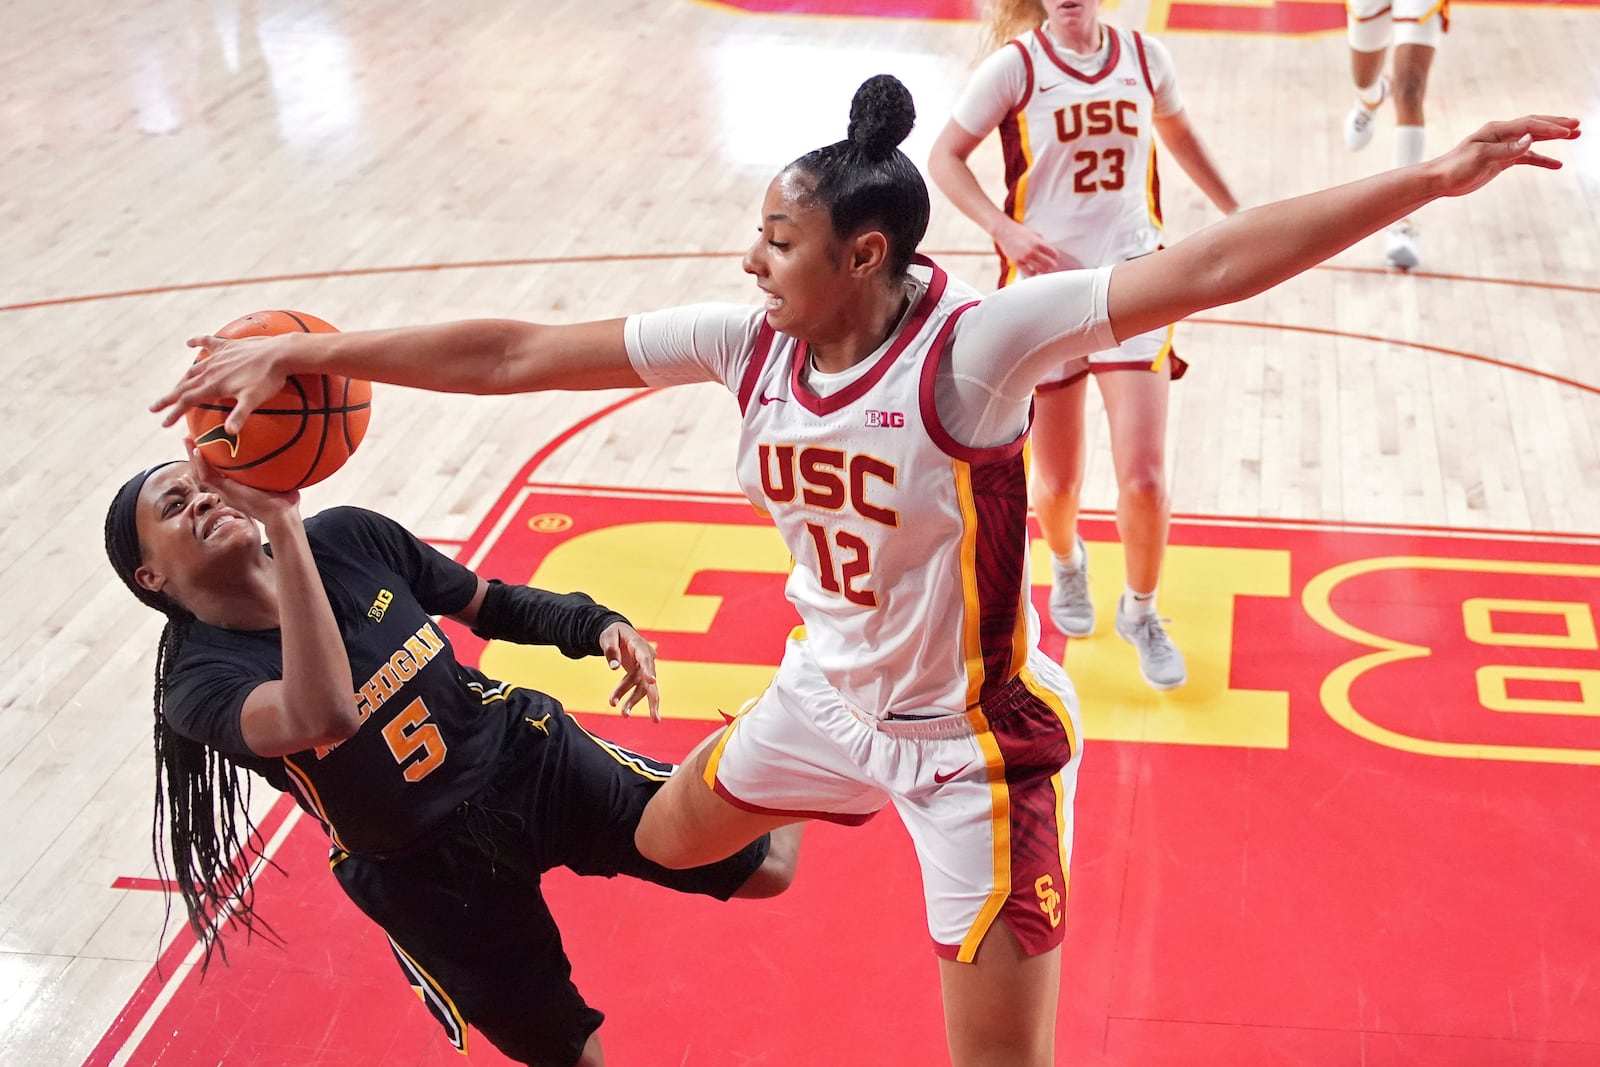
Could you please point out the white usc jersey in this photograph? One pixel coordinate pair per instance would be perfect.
(901, 536)
(1080, 154)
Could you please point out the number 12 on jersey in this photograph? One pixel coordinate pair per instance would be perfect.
(855, 562)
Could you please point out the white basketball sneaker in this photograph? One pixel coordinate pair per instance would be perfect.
(1070, 607)
(1362, 121)
(1400, 250)
(1159, 659)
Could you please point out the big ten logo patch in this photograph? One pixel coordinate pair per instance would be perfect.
(891, 420)
(1373, 632)
(1044, 887)
(380, 604)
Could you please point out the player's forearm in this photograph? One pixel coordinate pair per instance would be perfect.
(1254, 250)
(470, 356)
(960, 186)
(572, 622)
(1184, 144)
(318, 699)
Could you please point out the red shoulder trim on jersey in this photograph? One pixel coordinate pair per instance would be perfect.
(758, 359)
(825, 405)
(930, 408)
(1144, 61)
(1027, 66)
(1089, 79)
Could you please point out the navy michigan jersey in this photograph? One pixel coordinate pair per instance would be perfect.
(431, 729)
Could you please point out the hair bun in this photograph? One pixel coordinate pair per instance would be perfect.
(881, 115)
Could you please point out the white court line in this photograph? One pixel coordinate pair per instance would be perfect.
(180, 972)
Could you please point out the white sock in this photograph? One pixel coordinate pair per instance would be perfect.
(1136, 604)
(1408, 145)
(1371, 95)
(1072, 561)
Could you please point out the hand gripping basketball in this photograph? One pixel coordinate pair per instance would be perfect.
(258, 427)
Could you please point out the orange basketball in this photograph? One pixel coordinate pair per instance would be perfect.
(297, 438)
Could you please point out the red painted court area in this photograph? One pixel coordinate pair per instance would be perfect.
(1277, 17)
(1361, 834)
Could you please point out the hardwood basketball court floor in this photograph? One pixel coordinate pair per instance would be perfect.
(1362, 834)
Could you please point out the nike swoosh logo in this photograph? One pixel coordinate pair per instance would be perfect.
(940, 778)
(773, 400)
(219, 434)
(1047, 88)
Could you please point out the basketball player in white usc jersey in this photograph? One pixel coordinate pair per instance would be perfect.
(884, 406)
(1078, 103)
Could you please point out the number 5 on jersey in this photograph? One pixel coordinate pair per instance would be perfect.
(410, 734)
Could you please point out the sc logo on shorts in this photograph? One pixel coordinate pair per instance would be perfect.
(1049, 900)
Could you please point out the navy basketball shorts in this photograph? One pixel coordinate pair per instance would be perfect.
(465, 915)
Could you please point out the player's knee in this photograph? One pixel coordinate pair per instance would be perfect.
(592, 1055)
(1409, 88)
(1145, 490)
(776, 872)
(658, 842)
(1051, 486)
(997, 1042)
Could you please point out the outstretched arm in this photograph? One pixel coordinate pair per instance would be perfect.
(475, 356)
(1254, 250)
(573, 623)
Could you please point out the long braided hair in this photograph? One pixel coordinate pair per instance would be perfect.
(202, 799)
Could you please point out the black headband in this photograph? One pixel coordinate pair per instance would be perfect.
(122, 538)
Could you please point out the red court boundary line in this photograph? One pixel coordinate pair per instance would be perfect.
(519, 481)
(714, 496)
(933, 11)
(1470, 356)
(111, 1043)
(155, 884)
(639, 257)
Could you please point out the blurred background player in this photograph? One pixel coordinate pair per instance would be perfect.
(1415, 27)
(1078, 104)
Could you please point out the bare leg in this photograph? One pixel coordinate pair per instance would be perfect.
(1136, 407)
(1058, 462)
(776, 872)
(593, 1055)
(1411, 65)
(1367, 67)
(1000, 1010)
(687, 825)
